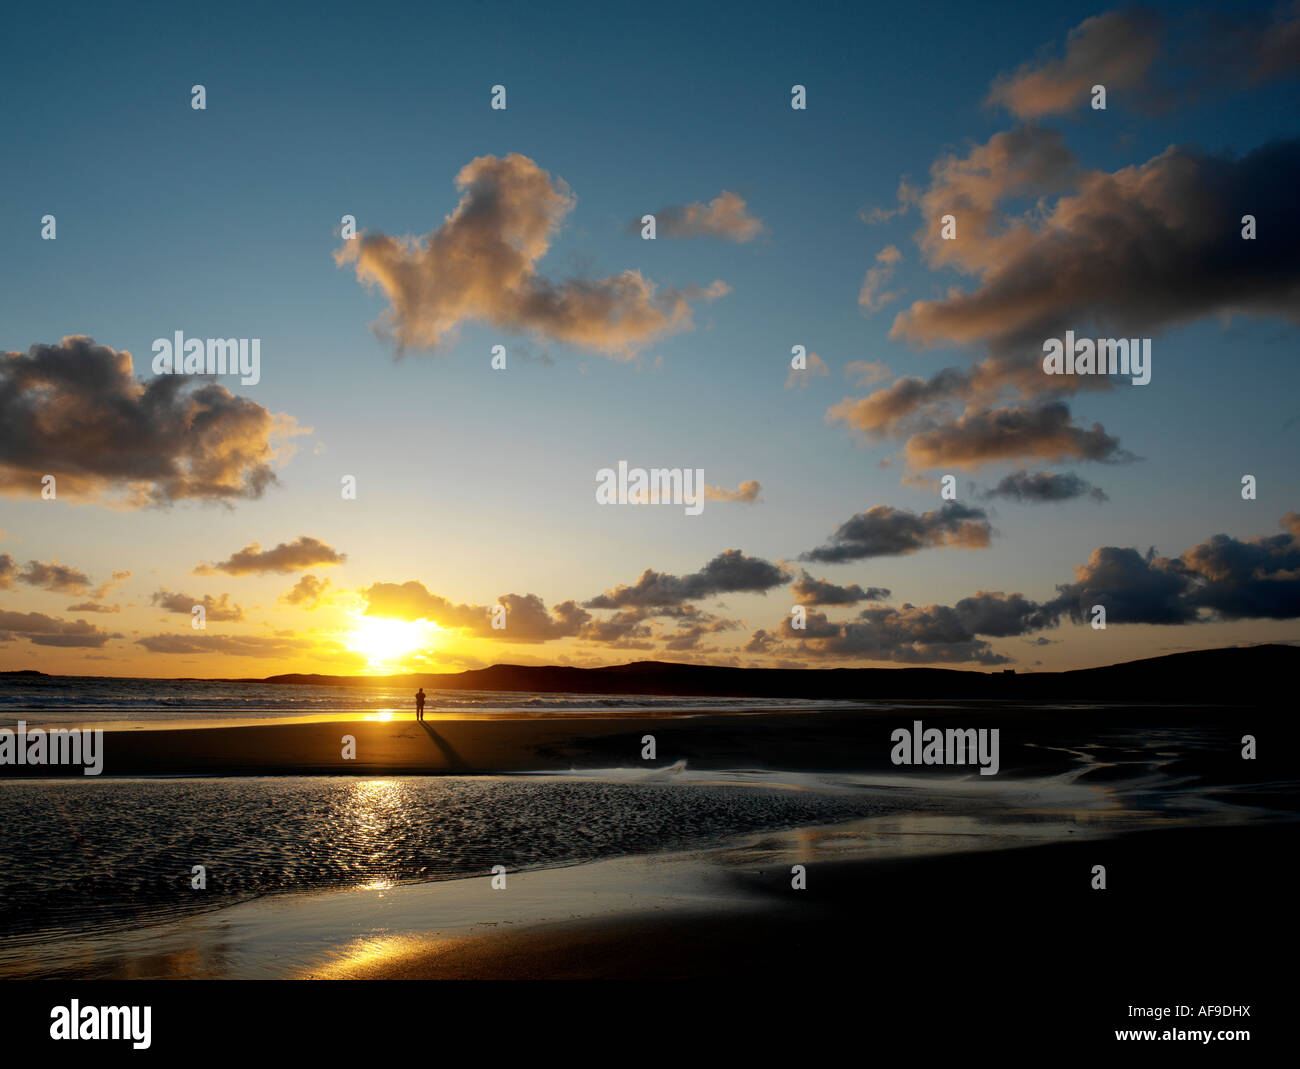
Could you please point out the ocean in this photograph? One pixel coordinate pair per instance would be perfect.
(66, 700)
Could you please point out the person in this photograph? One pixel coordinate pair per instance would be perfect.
(419, 704)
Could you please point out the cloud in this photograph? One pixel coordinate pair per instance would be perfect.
(307, 592)
(870, 297)
(117, 579)
(909, 635)
(226, 645)
(413, 601)
(52, 576)
(1133, 252)
(1222, 578)
(76, 411)
(93, 606)
(1251, 47)
(885, 531)
(1116, 50)
(763, 642)
(42, 630)
(215, 609)
(888, 410)
(1134, 589)
(1029, 488)
(527, 618)
(1122, 50)
(481, 265)
(626, 629)
(1045, 432)
(1255, 579)
(730, 572)
(810, 591)
(866, 372)
(725, 216)
(747, 492)
(304, 552)
(1147, 247)
(798, 377)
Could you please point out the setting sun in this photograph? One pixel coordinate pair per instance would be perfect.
(384, 641)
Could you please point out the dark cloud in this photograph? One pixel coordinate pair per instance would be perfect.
(1133, 589)
(1130, 253)
(1043, 432)
(226, 645)
(1037, 487)
(934, 634)
(76, 411)
(810, 591)
(1222, 578)
(1255, 579)
(42, 630)
(999, 615)
(885, 531)
(215, 609)
(1144, 248)
(52, 576)
(730, 572)
(1248, 48)
(622, 629)
(527, 619)
(763, 642)
(304, 552)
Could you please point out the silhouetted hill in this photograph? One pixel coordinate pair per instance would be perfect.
(1236, 676)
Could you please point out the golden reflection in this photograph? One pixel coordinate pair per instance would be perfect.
(366, 956)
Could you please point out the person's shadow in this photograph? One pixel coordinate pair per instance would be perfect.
(452, 758)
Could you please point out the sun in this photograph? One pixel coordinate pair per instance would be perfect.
(382, 641)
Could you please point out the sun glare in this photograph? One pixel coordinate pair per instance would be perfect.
(386, 642)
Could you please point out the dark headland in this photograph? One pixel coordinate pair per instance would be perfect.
(1238, 675)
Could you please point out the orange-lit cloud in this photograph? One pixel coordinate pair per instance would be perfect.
(481, 265)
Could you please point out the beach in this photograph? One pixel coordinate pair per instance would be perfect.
(743, 842)
(1032, 738)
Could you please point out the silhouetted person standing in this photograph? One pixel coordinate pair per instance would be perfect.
(419, 704)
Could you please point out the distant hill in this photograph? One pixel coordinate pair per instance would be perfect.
(1233, 676)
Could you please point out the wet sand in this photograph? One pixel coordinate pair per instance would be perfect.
(1034, 739)
(1173, 910)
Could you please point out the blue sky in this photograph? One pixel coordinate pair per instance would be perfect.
(477, 483)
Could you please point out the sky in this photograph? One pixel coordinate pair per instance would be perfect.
(369, 501)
